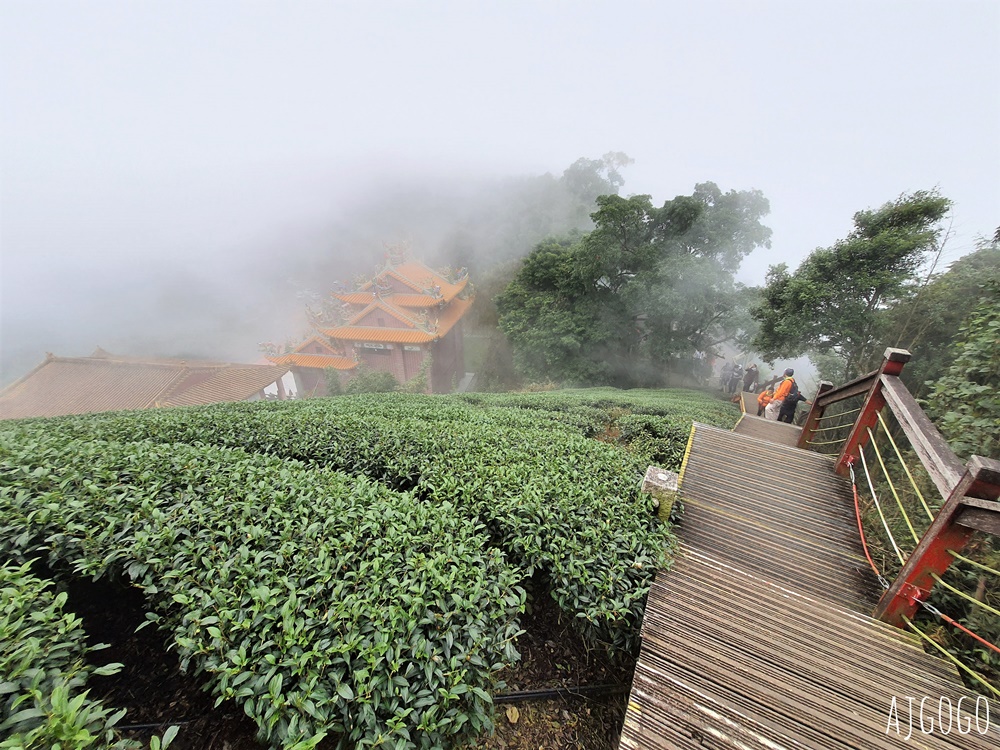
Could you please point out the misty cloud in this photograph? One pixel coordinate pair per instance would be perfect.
(172, 175)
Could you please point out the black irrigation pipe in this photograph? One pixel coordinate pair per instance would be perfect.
(582, 691)
(523, 696)
(161, 724)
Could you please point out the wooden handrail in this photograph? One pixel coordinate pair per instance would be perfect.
(970, 506)
(941, 463)
(892, 364)
(853, 388)
(970, 492)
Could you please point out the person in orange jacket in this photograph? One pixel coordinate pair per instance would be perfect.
(782, 390)
(763, 400)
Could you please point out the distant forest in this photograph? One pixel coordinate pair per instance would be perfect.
(620, 291)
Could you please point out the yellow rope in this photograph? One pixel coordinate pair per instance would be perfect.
(838, 414)
(975, 675)
(835, 427)
(968, 597)
(988, 569)
(892, 487)
(905, 467)
(825, 442)
(878, 507)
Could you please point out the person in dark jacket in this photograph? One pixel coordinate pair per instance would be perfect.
(734, 379)
(750, 378)
(791, 402)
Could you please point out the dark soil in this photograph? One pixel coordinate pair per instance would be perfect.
(157, 694)
(151, 685)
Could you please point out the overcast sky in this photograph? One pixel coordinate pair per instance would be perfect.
(153, 154)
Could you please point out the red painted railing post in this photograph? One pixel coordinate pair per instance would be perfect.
(931, 558)
(892, 364)
(814, 415)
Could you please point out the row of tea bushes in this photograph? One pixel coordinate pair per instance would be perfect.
(43, 673)
(318, 601)
(552, 500)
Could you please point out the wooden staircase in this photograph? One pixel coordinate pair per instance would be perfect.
(760, 636)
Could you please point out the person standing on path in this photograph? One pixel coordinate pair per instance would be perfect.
(783, 389)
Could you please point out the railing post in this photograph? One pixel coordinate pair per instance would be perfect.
(815, 414)
(892, 364)
(958, 519)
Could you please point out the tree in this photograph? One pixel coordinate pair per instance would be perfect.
(331, 377)
(371, 381)
(589, 178)
(925, 322)
(836, 300)
(559, 325)
(638, 294)
(502, 221)
(965, 403)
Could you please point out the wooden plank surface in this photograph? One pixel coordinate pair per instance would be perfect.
(760, 635)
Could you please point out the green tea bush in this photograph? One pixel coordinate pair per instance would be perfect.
(351, 564)
(551, 499)
(43, 700)
(320, 602)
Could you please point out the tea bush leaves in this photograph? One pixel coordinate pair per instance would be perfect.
(350, 566)
(318, 601)
(43, 702)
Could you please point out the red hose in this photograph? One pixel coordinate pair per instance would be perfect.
(861, 530)
(965, 630)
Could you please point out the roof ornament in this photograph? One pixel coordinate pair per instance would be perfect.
(329, 313)
(396, 255)
(423, 321)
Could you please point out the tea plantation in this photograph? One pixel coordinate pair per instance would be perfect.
(348, 570)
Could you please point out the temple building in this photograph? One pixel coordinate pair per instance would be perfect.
(407, 321)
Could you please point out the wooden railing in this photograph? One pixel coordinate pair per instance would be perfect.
(969, 492)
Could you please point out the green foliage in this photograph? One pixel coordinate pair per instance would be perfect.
(372, 381)
(318, 602)
(420, 382)
(497, 372)
(901, 508)
(509, 218)
(589, 178)
(925, 321)
(965, 403)
(641, 292)
(560, 327)
(350, 565)
(332, 379)
(42, 651)
(836, 300)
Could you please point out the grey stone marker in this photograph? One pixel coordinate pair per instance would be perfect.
(662, 485)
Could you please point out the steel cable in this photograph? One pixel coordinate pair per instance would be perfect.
(986, 568)
(835, 427)
(892, 487)
(878, 506)
(828, 442)
(906, 468)
(935, 611)
(861, 529)
(967, 597)
(971, 672)
(839, 414)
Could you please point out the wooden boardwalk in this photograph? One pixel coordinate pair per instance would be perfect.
(759, 635)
